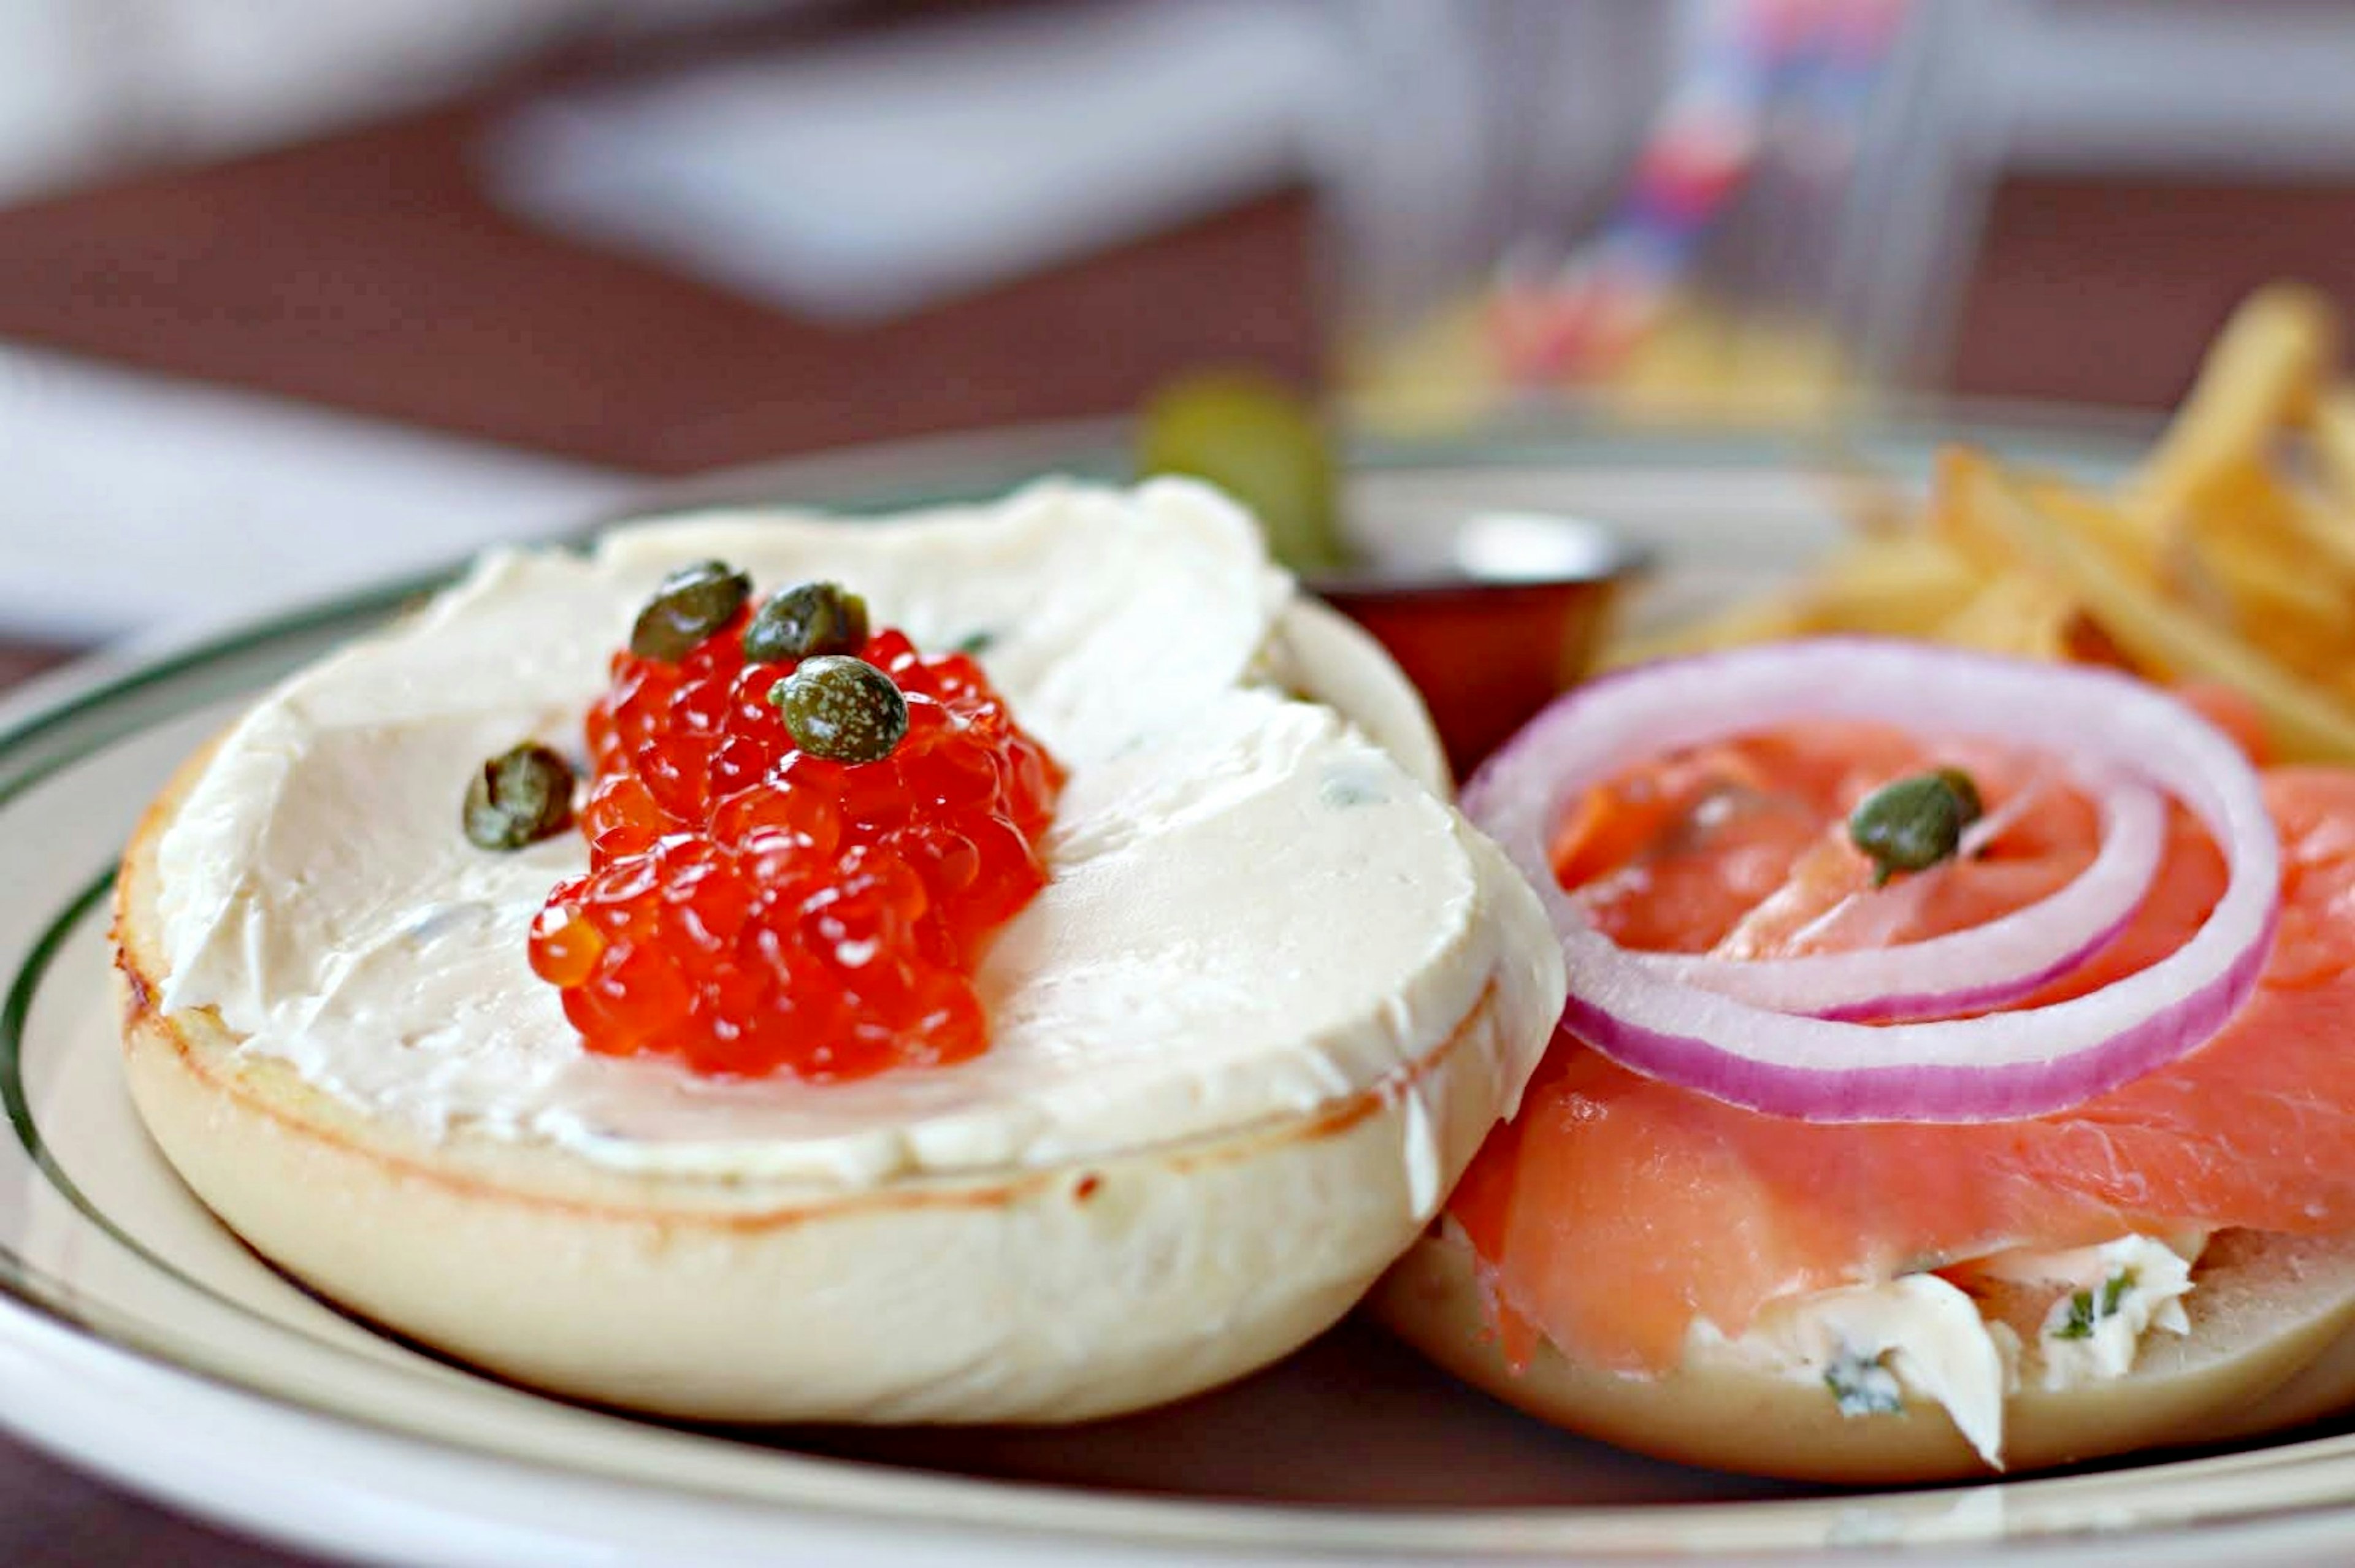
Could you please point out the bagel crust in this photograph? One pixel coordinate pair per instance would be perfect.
(2270, 1347)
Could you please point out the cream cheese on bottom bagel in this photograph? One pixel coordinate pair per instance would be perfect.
(1257, 912)
(1867, 1346)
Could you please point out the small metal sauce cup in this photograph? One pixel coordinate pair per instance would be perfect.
(1498, 623)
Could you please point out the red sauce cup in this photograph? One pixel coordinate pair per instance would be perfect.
(1492, 630)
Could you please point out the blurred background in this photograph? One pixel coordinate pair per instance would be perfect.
(292, 294)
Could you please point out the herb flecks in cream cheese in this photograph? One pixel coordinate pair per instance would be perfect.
(1923, 1335)
(2109, 1297)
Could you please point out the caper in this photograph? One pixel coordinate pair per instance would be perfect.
(1916, 823)
(689, 605)
(1967, 793)
(518, 798)
(804, 622)
(844, 709)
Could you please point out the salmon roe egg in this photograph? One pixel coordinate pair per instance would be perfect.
(751, 909)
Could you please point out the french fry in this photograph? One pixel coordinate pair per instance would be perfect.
(2327, 532)
(2018, 614)
(2106, 527)
(2162, 638)
(2299, 619)
(2260, 509)
(2296, 618)
(1952, 515)
(1949, 516)
(1884, 586)
(2262, 560)
(2265, 371)
(2220, 557)
(1892, 586)
(2334, 443)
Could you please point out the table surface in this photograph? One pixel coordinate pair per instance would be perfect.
(366, 271)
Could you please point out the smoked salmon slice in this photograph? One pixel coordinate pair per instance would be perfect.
(1615, 1210)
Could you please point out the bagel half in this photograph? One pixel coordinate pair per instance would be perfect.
(2270, 1347)
(1037, 1293)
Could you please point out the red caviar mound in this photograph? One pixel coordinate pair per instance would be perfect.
(751, 909)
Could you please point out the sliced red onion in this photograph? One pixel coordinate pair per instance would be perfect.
(1997, 1066)
(1984, 965)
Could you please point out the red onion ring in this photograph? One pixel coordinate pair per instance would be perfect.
(1994, 1067)
(1985, 965)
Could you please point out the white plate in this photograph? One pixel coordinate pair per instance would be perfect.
(139, 1339)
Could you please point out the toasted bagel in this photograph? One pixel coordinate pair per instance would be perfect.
(1038, 1292)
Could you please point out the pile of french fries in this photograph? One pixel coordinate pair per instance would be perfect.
(2227, 555)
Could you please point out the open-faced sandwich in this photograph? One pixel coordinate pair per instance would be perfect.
(1958, 1073)
(1007, 965)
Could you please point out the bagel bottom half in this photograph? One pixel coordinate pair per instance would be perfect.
(2270, 1347)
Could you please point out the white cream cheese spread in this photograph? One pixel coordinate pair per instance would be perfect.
(2110, 1296)
(1920, 1334)
(1254, 908)
(1866, 1342)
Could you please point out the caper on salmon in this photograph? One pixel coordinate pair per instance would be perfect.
(520, 796)
(804, 622)
(1967, 793)
(1915, 823)
(687, 606)
(841, 709)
